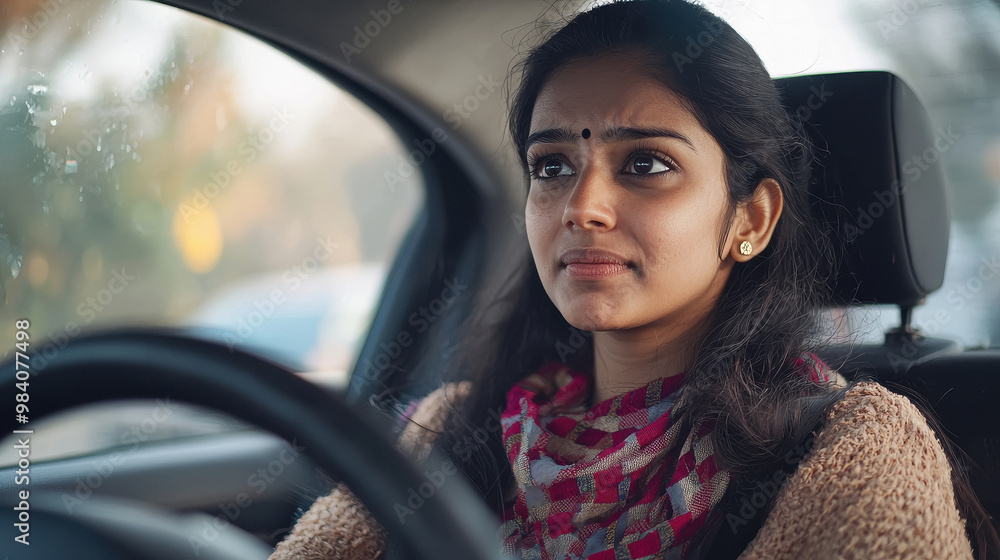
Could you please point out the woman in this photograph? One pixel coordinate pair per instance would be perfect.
(651, 374)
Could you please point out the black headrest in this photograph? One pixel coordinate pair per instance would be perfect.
(878, 183)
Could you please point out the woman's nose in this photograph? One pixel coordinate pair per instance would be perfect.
(591, 202)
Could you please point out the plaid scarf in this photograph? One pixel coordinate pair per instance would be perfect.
(619, 481)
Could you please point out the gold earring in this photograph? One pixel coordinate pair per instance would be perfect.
(746, 248)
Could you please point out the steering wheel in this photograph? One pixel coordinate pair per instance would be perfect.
(150, 364)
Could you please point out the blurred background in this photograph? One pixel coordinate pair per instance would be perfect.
(159, 168)
(948, 51)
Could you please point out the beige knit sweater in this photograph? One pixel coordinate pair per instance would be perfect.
(876, 485)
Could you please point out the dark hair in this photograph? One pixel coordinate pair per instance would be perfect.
(744, 375)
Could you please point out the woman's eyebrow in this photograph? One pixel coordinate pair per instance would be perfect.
(625, 133)
(551, 136)
(613, 134)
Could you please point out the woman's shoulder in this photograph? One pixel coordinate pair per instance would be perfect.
(867, 414)
(879, 424)
(876, 484)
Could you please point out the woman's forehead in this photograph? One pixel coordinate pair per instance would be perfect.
(610, 92)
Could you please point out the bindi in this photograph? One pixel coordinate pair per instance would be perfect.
(585, 133)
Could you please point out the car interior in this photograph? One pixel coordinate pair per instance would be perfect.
(182, 498)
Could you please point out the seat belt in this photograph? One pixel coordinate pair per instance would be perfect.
(738, 519)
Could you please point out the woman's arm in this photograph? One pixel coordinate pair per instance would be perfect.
(877, 485)
(337, 526)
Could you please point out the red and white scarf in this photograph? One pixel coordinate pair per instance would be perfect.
(621, 480)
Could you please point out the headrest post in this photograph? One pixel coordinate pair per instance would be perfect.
(904, 331)
(905, 317)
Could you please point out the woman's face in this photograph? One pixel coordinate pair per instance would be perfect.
(627, 201)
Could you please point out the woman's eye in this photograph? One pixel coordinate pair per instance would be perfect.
(646, 165)
(550, 168)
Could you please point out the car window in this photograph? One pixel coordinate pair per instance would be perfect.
(162, 169)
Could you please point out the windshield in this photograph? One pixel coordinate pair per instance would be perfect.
(162, 169)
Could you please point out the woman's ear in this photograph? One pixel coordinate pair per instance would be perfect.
(755, 221)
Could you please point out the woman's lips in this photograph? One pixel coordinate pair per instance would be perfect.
(594, 270)
(586, 263)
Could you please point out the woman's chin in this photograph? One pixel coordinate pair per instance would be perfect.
(597, 310)
(594, 320)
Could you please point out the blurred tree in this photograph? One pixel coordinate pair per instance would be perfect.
(22, 161)
(949, 52)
